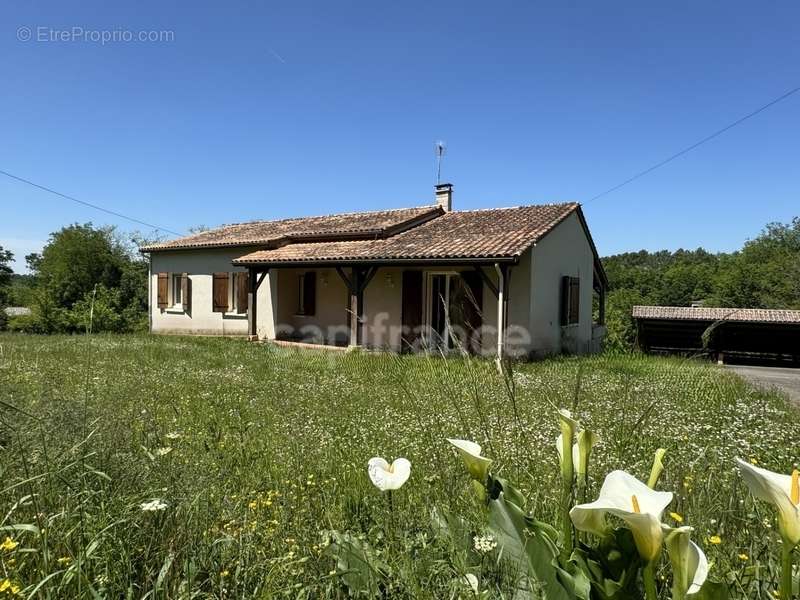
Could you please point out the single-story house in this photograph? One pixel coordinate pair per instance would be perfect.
(726, 334)
(412, 278)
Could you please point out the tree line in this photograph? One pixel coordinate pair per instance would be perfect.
(85, 278)
(764, 273)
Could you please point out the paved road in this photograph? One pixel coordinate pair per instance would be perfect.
(787, 380)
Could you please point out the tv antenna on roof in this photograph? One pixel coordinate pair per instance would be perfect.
(440, 150)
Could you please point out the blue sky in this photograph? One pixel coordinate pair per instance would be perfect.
(265, 111)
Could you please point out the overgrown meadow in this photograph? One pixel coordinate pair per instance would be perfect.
(158, 467)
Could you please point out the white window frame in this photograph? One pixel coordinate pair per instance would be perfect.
(176, 289)
(174, 282)
(233, 296)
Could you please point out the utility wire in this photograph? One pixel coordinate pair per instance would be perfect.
(696, 144)
(89, 204)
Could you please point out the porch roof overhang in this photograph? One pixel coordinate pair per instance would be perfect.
(261, 265)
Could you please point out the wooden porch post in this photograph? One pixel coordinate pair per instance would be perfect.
(356, 284)
(252, 305)
(502, 309)
(356, 308)
(254, 282)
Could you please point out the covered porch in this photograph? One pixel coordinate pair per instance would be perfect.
(403, 306)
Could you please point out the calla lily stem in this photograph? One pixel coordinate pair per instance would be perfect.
(391, 513)
(649, 579)
(566, 522)
(786, 572)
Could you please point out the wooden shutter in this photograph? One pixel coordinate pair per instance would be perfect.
(411, 308)
(574, 300)
(186, 292)
(219, 293)
(565, 289)
(310, 293)
(242, 288)
(163, 287)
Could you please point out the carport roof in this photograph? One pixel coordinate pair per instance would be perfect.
(740, 315)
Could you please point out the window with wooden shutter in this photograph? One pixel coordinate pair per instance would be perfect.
(242, 288)
(570, 300)
(163, 290)
(219, 293)
(186, 292)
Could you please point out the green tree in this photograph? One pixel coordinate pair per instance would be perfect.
(98, 311)
(75, 259)
(621, 329)
(87, 275)
(6, 256)
(765, 273)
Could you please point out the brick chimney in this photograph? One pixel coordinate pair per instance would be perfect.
(444, 196)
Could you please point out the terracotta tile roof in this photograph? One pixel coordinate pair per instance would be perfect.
(491, 233)
(687, 313)
(273, 233)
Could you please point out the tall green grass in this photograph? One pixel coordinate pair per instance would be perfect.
(256, 451)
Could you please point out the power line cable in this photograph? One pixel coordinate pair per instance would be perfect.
(696, 144)
(89, 204)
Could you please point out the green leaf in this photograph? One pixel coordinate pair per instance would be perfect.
(712, 590)
(356, 563)
(526, 542)
(453, 528)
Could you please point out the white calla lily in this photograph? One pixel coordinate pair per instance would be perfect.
(689, 563)
(569, 428)
(781, 490)
(560, 448)
(470, 452)
(624, 496)
(581, 451)
(586, 440)
(388, 477)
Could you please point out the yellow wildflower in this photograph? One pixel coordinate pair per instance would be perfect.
(8, 544)
(7, 586)
(253, 505)
(676, 517)
(743, 556)
(715, 539)
(224, 573)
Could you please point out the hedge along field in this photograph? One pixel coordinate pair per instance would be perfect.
(177, 467)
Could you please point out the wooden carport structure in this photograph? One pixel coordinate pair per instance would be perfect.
(738, 334)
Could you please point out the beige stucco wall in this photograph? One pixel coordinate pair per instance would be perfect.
(383, 307)
(330, 318)
(201, 319)
(563, 251)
